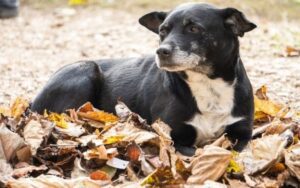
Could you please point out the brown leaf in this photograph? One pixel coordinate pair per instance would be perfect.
(99, 175)
(261, 93)
(292, 52)
(209, 165)
(261, 153)
(292, 160)
(10, 143)
(133, 151)
(34, 133)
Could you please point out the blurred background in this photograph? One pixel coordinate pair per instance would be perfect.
(49, 34)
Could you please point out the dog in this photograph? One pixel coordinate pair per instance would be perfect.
(196, 81)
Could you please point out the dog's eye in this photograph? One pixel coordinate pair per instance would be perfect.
(194, 29)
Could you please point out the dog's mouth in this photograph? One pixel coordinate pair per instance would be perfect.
(171, 66)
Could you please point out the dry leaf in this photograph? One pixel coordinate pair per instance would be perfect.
(162, 129)
(160, 177)
(5, 170)
(211, 164)
(262, 153)
(127, 132)
(266, 107)
(10, 143)
(89, 112)
(55, 182)
(18, 107)
(99, 175)
(113, 139)
(58, 119)
(133, 151)
(34, 133)
(292, 160)
(72, 130)
(27, 169)
(292, 52)
(117, 163)
(261, 93)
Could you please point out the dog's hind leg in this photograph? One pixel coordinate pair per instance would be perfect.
(70, 87)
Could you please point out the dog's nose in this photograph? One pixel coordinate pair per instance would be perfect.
(163, 52)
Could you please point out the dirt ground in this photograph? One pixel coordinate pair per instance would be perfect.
(38, 42)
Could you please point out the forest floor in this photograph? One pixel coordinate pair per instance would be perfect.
(40, 41)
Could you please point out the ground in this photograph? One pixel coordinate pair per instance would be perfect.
(40, 41)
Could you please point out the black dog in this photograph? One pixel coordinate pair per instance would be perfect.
(196, 82)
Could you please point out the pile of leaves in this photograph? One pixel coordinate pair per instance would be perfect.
(91, 148)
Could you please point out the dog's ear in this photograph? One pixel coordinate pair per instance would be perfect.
(237, 21)
(152, 20)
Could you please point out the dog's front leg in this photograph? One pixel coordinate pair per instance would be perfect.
(184, 137)
(240, 133)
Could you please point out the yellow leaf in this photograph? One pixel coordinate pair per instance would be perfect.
(58, 119)
(114, 139)
(160, 177)
(4, 111)
(233, 166)
(89, 112)
(267, 107)
(261, 93)
(18, 107)
(77, 2)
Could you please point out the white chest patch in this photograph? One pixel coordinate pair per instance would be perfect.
(215, 100)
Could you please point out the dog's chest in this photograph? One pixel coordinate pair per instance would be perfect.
(215, 100)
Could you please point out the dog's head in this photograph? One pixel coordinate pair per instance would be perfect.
(196, 37)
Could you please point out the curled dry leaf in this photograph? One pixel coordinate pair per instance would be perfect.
(34, 133)
(162, 129)
(10, 143)
(87, 111)
(211, 164)
(292, 160)
(261, 93)
(262, 153)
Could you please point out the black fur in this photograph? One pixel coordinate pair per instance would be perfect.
(153, 92)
